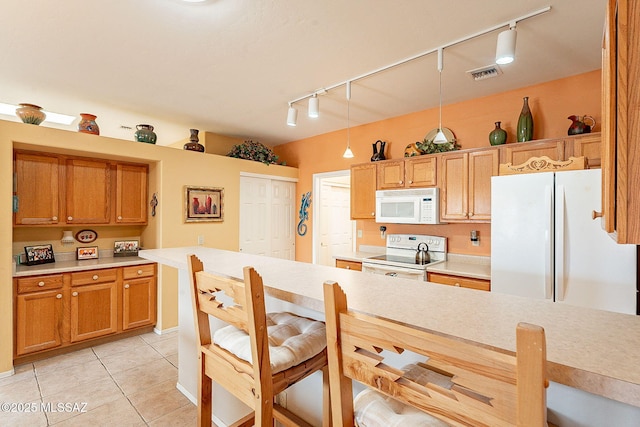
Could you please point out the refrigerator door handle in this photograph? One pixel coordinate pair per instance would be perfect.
(548, 240)
(560, 222)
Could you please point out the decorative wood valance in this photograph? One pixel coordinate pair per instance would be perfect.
(543, 164)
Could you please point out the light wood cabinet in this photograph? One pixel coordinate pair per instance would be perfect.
(518, 153)
(411, 172)
(588, 145)
(390, 174)
(465, 185)
(138, 296)
(37, 185)
(459, 281)
(63, 190)
(363, 191)
(621, 122)
(131, 194)
(349, 265)
(59, 310)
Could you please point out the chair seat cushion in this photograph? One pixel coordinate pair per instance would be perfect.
(292, 340)
(374, 409)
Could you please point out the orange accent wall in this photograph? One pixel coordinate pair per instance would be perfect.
(471, 121)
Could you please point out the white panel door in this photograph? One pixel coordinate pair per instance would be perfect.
(255, 215)
(283, 239)
(335, 222)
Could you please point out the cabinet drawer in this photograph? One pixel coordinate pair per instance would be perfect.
(39, 283)
(349, 265)
(133, 272)
(463, 282)
(94, 276)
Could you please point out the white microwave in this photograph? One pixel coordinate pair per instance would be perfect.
(410, 206)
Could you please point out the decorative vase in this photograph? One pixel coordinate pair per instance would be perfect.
(193, 144)
(525, 123)
(378, 154)
(498, 136)
(145, 133)
(88, 124)
(30, 113)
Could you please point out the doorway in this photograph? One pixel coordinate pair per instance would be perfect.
(333, 229)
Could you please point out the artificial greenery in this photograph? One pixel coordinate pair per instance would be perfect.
(427, 146)
(255, 151)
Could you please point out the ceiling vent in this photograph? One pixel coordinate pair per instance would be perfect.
(484, 73)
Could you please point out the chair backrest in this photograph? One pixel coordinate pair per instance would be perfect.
(486, 387)
(246, 311)
(543, 164)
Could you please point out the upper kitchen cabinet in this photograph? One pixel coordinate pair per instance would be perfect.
(363, 191)
(88, 187)
(131, 194)
(390, 174)
(588, 145)
(465, 185)
(407, 173)
(37, 186)
(519, 153)
(621, 121)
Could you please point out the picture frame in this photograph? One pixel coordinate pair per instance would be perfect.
(39, 254)
(125, 248)
(203, 204)
(87, 252)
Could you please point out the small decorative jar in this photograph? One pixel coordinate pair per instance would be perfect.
(146, 134)
(88, 124)
(193, 144)
(30, 113)
(498, 136)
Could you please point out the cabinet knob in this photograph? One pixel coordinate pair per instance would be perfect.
(139, 272)
(75, 294)
(595, 214)
(410, 181)
(59, 296)
(126, 286)
(400, 182)
(373, 214)
(457, 284)
(95, 277)
(54, 218)
(348, 267)
(119, 218)
(69, 218)
(41, 284)
(470, 214)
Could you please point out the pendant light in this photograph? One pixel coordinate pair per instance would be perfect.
(348, 154)
(440, 137)
(506, 46)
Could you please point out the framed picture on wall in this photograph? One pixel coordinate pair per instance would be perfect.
(202, 204)
(89, 252)
(39, 254)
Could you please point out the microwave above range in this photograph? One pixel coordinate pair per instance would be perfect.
(410, 206)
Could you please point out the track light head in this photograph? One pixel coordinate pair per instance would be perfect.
(506, 46)
(314, 106)
(292, 116)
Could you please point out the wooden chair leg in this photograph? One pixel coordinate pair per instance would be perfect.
(205, 388)
(326, 399)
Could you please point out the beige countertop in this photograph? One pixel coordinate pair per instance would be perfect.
(476, 267)
(358, 256)
(65, 265)
(592, 350)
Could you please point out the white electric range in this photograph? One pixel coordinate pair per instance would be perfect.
(399, 259)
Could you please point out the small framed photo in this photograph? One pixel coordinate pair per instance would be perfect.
(203, 204)
(89, 252)
(39, 254)
(125, 248)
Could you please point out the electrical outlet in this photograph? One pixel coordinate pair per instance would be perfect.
(359, 234)
(201, 239)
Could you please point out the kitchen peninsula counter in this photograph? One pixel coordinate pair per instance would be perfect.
(591, 350)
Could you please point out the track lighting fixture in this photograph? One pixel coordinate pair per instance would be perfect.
(348, 154)
(314, 106)
(292, 116)
(506, 46)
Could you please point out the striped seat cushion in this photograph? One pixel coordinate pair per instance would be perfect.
(292, 340)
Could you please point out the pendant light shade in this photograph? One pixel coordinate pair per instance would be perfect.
(506, 47)
(314, 106)
(292, 116)
(348, 154)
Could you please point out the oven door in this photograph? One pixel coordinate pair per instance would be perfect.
(391, 271)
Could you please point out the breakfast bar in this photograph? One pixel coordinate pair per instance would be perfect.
(590, 350)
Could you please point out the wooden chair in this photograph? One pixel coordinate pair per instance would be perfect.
(461, 384)
(256, 384)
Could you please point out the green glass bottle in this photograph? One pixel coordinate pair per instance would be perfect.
(525, 123)
(498, 136)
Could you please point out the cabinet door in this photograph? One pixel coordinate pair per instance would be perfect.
(482, 166)
(520, 152)
(131, 194)
(39, 317)
(88, 192)
(349, 265)
(363, 191)
(38, 189)
(390, 174)
(94, 311)
(454, 186)
(421, 171)
(461, 282)
(138, 302)
(589, 146)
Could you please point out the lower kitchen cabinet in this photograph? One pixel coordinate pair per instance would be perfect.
(59, 310)
(459, 281)
(349, 265)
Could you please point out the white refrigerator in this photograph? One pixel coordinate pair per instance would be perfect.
(545, 244)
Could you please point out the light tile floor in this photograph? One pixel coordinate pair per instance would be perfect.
(130, 382)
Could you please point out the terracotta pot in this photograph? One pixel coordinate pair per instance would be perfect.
(30, 113)
(88, 124)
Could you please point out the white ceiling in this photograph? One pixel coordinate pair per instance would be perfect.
(231, 66)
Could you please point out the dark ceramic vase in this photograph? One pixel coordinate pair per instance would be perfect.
(378, 154)
(525, 123)
(145, 133)
(498, 136)
(194, 144)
